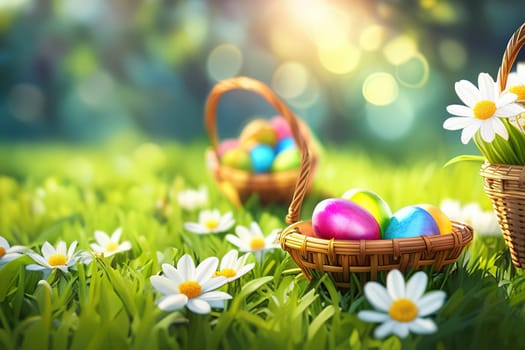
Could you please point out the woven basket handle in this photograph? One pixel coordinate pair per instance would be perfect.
(244, 83)
(514, 46)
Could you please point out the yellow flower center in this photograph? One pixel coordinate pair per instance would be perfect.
(191, 289)
(211, 224)
(2, 251)
(227, 272)
(484, 109)
(111, 247)
(518, 90)
(403, 310)
(257, 243)
(57, 260)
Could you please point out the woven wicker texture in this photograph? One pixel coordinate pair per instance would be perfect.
(505, 184)
(239, 185)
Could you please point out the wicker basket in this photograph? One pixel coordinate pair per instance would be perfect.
(365, 258)
(505, 184)
(239, 185)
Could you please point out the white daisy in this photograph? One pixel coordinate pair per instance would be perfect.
(401, 307)
(192, 199)
(484, 107)
(54, 258)
(108, 246)
(484, 222)
(252, 239)
(211, 221)
(516, 82)
(187, 285)
(232, 267)
(9, 253)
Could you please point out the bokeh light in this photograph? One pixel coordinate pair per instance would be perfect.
(414, 72)
(224, 62)
(380, 89)
(340, 59)
(453, 54)
(26, 102)
(97, 89)
(372, 37)
(390, 122)
(400, 49)
(290, 79)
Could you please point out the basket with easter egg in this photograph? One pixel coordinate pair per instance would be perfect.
(358, 235)
(265, 160)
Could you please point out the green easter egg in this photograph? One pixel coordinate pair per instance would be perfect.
(237, 158)
(287, 160)
(373, 203)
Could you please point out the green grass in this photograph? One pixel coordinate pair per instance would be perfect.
(54, 192)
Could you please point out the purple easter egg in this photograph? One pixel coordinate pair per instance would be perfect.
(281, 127)
(411, 221)
(343, 219)
(227, 145)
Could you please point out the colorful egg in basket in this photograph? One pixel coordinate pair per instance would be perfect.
(266, 159)
(365, 258)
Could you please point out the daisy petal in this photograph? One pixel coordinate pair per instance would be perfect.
(378, 296)
(194, 227)
(373, 316)
(229, 259)
(35, 267)
(3, 242)
(236, 241)
(213, 283)
(422, 326)
(71, 249)
(401, 329)
(61, 248)
(431, 302)
(395, 284)
(459, 110)
(416, 285)
(467, 92)
(172, 302)
(509, 111)
(499, 128)
(487, 87)
(487, 133)
(101, 237)
(456, 123)
(384, 330)
(505, 99)
(469, 132)
(124, 246)
(186, 267)
(115, 237)
(199, 306)
(206, 269)
(243, 233)
(47, 250)
(215, 295)
(164, 285)
(172, 273)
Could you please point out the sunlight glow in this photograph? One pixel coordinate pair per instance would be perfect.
(400, 49)
(290, 79)
(340, 60)
(453, 54)
(372, 37)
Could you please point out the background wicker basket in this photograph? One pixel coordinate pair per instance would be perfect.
(365, 258)
(239, 185)
(505, 184)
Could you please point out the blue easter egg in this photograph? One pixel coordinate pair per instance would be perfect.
(411, 222)
(284, 144)
(262, 158)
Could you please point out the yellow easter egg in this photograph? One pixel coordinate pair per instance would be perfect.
(443, 222)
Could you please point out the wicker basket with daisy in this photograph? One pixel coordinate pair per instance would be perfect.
(493, 117)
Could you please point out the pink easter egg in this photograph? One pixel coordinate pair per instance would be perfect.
(281, 127)
(343, 219)
(227, 145)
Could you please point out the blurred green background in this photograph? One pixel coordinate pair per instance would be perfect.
(377, 74)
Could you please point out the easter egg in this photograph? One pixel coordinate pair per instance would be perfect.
(343, 219)
(284, 144)
(237, 158)
(411, 221)
(256, 132)
(281, 127)
(373, 203)
(442, 220)
(227, 145)
(287, 160)
(261, 158)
